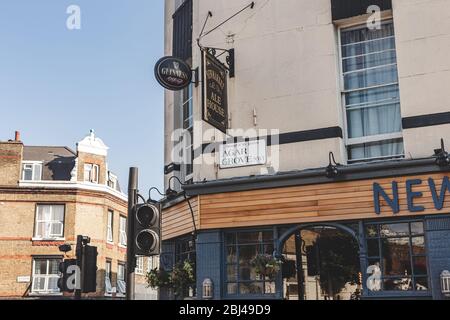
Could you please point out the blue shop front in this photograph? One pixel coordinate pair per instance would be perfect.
(369, 235)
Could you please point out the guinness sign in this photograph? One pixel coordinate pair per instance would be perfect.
(173, 73)
(215, 100)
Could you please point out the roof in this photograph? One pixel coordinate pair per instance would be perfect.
(58, 162)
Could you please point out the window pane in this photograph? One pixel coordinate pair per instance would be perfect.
(231, 255)
(371, 77)
(58, 213)
(420, 266)
(418, 244)
(246, 272)
(422, 283)
(254, 237)
(396, 256)
(383, 149)
(232, 288)
(40, 267)
(371, 231)
(37, 175)
(369, 60)
(38, 284)
(417, 228)
(230, 238)
(395, 230)
(247, 253)
(231, 273)
(398, 284)
(373, 248)
(27, 174)
(372, 96)
(251, 288)
(373, 121)
(56, 229)
(269, 288)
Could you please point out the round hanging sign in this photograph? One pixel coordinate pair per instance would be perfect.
(173, 73)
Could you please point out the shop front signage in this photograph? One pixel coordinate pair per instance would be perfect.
(173, 73)
(391, 197)
(243, 154)
(215, 99)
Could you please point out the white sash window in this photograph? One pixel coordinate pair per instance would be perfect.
(49, 221)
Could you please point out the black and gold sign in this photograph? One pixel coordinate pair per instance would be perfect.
(173, 73)
(215, 100)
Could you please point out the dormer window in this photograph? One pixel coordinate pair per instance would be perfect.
(91, 172)
(32, 171)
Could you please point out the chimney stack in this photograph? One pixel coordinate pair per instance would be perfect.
(17, 136)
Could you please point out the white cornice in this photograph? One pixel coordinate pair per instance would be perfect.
(92, 145)
(73, 185)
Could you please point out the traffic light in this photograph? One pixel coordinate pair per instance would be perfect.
(90, 269)
(69, 276)
(147, 229)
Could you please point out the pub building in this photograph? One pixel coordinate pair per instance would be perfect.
(312, 160)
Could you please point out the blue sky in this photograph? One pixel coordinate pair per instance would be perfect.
(57, 84)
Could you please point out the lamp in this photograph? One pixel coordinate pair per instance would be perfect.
(442, 156)
(445, 283)
(208, 289)
(332, 170)
(171, 193)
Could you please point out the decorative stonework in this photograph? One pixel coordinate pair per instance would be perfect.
(92, 145)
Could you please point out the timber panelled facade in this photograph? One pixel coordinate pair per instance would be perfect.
(349, 196)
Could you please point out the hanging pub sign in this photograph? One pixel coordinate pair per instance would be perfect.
(173, 73)
(215, 100)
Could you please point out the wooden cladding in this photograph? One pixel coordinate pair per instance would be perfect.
(343, 9)
(313, 203)
(177, 220)
(330, 202)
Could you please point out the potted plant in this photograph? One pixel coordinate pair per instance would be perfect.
(266, 265)
(179, 280)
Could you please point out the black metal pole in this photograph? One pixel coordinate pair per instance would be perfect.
(131, 259)
(79, 255)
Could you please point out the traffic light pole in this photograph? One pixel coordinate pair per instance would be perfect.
(131, 259)
(79, 254)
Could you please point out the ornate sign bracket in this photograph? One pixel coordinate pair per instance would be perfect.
(229, 65)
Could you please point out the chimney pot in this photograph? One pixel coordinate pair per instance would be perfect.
(17, 136)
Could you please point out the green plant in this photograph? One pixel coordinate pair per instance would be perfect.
(266, 265)
(179, 279)
(158, 278)
(182, 278)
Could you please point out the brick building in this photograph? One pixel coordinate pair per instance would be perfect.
(48, 196)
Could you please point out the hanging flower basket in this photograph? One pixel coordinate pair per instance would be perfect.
(266, 266)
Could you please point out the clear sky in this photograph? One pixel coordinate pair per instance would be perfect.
(57, 84)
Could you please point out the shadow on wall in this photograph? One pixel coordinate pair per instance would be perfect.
(59, 169)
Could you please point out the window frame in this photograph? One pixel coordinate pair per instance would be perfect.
(108, 276)
(110, 226)
(139, 270)
(123, 233)
(413, 275)
(93, 168)
(237, 246)
(188, 130)
(34, 165)
(121, 266)
(46, 277)
(37, 237)
(350, 142)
